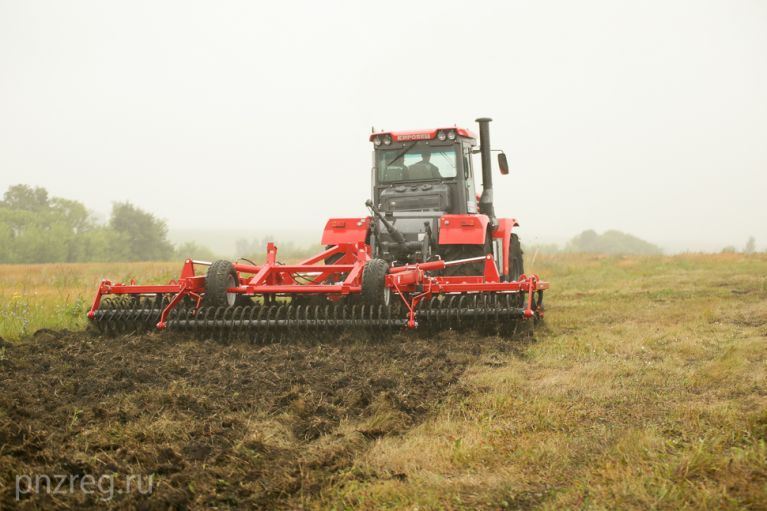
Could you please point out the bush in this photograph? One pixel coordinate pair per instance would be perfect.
(611, 242)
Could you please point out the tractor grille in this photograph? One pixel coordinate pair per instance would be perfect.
(416, 203)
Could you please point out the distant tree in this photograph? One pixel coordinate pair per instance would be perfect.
(245, 248)
(254, 248)
(139, 236)
(36, 229)
(193, 250)
(586, 241)
(26, 198)
(729, 249)
(611, 242)
(542, 248)
(750, 246)
(73, 213)
(6, 238)
(42, 242)
(96, 244)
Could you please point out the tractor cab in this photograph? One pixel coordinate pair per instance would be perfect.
(418, 177)
(424, 171)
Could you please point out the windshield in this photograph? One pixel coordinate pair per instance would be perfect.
(416, 163)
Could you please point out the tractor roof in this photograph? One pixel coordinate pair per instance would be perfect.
(404, 136)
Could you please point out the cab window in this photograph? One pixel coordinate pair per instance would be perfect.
(416, 163)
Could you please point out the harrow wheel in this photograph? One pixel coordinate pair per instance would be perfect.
(220, 277)
(374, 290)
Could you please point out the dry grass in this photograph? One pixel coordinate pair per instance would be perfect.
(646, 389)
(57, 296)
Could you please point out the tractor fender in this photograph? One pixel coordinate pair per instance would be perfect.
(345, 230)
(463, 229)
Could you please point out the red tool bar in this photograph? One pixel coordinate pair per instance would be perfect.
(135, 290)
(301, 268)
(485, 286)
(335, 249)
(432, 265)
(295, 268)
(295, 288)
(435, 265)
(464, 261)
(463, 279)
(247, 268)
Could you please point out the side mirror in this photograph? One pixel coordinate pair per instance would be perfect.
(503, 163)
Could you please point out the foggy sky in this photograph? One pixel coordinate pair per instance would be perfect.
(647, 117)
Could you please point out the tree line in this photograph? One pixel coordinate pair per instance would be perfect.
(38, 228)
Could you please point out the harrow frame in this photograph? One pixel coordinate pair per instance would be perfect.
(343, 277)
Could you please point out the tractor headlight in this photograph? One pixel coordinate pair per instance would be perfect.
(451, 134)
(377, 141)
(387, 140)
(441, 135)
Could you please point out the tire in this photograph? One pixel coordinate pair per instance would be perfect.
(333, 260)
(454, 252)
(516, 261)
(221, 276)
(374, 290)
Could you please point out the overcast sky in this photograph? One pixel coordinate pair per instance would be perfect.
(648, 117)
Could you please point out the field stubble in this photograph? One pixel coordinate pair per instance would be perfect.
(646, 389)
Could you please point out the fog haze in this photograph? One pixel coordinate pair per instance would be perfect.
(253, 118)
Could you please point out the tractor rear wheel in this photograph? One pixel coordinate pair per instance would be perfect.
(333, 260)
(220, 277)
(374, 290)
(516, 263)
(455, 252)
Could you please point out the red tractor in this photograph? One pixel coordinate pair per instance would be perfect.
(431, 253)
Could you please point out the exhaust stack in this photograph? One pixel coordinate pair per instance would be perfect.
(486, 200)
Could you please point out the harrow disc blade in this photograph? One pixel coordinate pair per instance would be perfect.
(268, 323)
(491, 314)
(128, 314)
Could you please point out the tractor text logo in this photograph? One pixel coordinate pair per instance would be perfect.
(414, 136)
